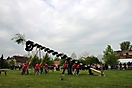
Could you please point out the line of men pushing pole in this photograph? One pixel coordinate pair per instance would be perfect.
(67, 64)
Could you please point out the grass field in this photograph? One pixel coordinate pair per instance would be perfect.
(113, 79)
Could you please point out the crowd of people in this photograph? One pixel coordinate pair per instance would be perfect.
(119, 66)
(38, 68)
(73, 68)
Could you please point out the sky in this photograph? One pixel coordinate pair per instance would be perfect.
(69, 26)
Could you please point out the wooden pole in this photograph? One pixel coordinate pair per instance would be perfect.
(34, 55)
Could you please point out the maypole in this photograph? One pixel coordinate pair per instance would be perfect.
(34, 55)
(30, 45)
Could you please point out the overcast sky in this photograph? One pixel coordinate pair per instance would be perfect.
(68, 26)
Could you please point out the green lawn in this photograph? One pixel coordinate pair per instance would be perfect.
(113, 79)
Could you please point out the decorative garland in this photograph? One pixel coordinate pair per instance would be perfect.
(30, 45)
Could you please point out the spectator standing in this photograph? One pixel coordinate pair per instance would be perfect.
(120, 66)
(124, 65)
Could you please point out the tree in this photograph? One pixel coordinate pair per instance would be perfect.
(130, 48)
(19, 38)
(82, 61)
(47, 59)
(11, 62)
(1, 61)
(84, 55)
(34, 61)
(73, 56)
(57, 59)
(125, 45)
(110, 57)
(92, 60)
(62, 62)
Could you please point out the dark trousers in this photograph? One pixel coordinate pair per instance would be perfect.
(77, 71)
(63, 70)
(41, 69)
(46, 70)
(23, 72)
(69, 71)
(90, 72)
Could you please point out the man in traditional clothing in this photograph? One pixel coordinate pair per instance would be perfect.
(36, 68)
(75, 68)
(78, 68)
(46, 68)
(64, 67)
(23, 69)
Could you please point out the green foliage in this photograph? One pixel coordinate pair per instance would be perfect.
(89, 60)
(125, 45)
(11, 62)
(29, 58)
(82, 61)
(1, 61)
(130, 48)
(92, 60)
(19, 38)
(110, 56)
(47, 59)
(62, 62)
(34, 61)
(50, 62)
(57, 59)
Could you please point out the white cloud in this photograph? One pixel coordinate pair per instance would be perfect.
(67, 26)
(4, 34)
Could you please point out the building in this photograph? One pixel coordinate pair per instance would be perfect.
(18, 59)
(124, 54)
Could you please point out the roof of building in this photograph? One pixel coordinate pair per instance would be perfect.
(124, 54)
(21, 59)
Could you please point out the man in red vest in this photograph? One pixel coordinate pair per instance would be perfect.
(24, 69)
(46, 68)
(64, 67)
(75, 68)
(36, 68)
(78, 68)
